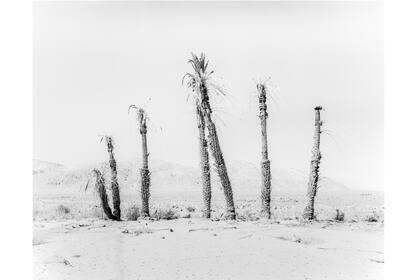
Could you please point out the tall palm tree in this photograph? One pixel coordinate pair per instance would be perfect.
(114, 178)
(204, 163)
(198, 81)
(265, 162)
(144, 171)
(309, 211)
(100, 188)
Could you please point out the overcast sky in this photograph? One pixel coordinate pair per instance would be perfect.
(92, 60)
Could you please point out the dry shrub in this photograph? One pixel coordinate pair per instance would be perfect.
(62, 210)
(190, 208)
(339, 216)
(372, 218)
(164, 214)
(248, 215)
(132, 213)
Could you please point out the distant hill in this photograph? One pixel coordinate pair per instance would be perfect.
(168, 177)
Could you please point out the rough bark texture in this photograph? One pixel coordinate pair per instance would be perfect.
(100, 187)
(217, 154)
(144, 172)
(204, 164)
(221, 168)
(265, 162)
(114, 180)
(309, 211)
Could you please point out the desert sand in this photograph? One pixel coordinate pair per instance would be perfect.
(72, 239)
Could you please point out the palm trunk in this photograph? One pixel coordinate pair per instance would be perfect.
(100, 187)
(309, 211)
(265, 162)
(114, 180)
(204, 164)
(220, 167)
(144, 173)
(217, 154)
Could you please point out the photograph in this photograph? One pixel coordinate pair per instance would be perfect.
(208, 140)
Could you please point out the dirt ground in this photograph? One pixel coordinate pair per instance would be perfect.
(202, 249)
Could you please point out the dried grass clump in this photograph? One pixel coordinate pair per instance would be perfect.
(248, 215)
(62, 210)
(339, 215)
(190, 208)
(372, 218)
(132, 213)
(164, 214)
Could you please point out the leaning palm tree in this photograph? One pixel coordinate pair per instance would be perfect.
(199, 82)
(114, 180)
(144, 171)
(309, 211)
(265, 162)
(100, 188)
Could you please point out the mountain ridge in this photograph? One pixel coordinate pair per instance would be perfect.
(174, 177)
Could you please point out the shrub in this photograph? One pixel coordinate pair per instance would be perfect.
(372, 218)
(339, 215)
(248, 215)
(133, 213)
(190, 208)
(63, 210)
(164, 214)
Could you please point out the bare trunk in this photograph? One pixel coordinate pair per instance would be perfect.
(204, 164)
(265, 162)
(144, 173)
(114, 181)
(100, 187)
(309, 212)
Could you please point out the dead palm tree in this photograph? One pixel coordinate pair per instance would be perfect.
(265, 162)
(114, 179)
(309, 211)
(100, 188)
(199, 82)
(144, 171)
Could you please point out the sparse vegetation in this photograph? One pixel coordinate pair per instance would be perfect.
(132, 213)
(164, 214)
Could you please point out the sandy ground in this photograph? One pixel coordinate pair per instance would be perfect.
(202, 249)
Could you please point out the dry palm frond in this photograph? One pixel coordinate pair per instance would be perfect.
(200, 78)
(108, 139)
(140, 113)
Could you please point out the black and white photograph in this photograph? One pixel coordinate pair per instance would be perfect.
(209, 140)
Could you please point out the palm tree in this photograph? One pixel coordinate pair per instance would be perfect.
(265, 162)
(309, 210)
(199, 83)
(204, 163)
(114, 178)
(100, 188)
(144, 171)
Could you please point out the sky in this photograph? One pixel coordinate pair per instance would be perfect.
(94, 59)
